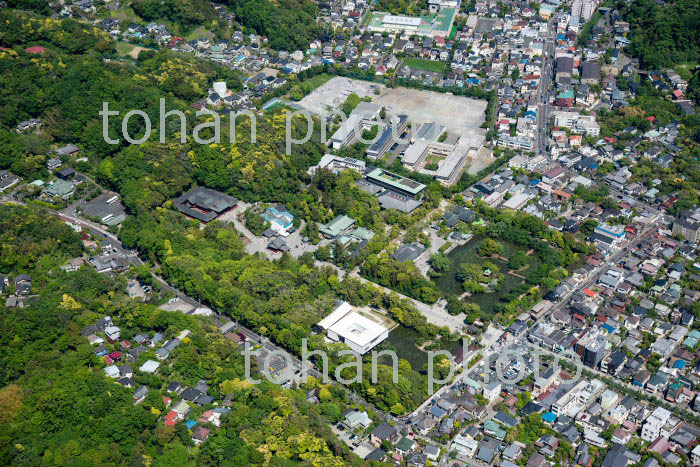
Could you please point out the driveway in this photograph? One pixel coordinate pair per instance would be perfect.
(255, 244)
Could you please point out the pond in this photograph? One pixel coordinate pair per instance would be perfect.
(467, 253)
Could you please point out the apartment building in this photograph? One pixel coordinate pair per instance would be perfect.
(591, 392)
(576, 122)
(654, 423)
(569, 400)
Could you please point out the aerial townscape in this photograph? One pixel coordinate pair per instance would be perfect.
(454, 233)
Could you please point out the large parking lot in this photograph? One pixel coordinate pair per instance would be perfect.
(105, 207)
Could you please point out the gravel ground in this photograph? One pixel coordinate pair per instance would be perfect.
(461, 115)
(333, 93)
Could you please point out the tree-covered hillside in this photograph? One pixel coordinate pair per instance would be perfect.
(663, 34)
(187, 14)
(57, 407)
(66, 85)
(288, 24)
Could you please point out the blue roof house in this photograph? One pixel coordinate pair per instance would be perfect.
(280, 220)
(680, 364)
(549, 417)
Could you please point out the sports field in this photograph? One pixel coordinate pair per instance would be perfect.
(438, 24)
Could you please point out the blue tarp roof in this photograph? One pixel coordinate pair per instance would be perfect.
(549, 417)
(680, 364)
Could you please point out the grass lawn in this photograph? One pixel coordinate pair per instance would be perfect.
(685, 70)
(434, 158)
(126, 13)
(124, 48)
(201, 31)
(317, 81)
(428, 65)
(369, 16)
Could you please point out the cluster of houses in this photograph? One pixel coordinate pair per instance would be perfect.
(62, 182)
(635, 323)
(585, 414)
(343, 14)
(22, 289)
(144, 353)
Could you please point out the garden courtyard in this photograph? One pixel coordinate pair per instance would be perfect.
(486, 280)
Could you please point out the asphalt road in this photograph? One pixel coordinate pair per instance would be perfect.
(543, 94)
(612, 260)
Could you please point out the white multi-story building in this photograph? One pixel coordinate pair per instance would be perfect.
(492, 391)
(569, 400)
(360, 119)
(523, 143)
(337, 164)
(654, 423)
(576, 122)
(591, 391)
(695, 455)
(465, 444)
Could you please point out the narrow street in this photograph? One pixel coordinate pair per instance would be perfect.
(543, 92)
(436, 314)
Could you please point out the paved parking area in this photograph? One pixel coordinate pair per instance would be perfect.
(298, 247)
(423, 261)
(105, 205)
(363, 450)
(358, 445)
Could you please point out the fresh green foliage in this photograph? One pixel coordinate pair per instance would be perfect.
(422, 64)
(187, 14)
(288, 24)
(663, 34)
(58, 407)
(66, 86)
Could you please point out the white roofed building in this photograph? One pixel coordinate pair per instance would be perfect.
(337, 164)
(351, 328)
(653, 424)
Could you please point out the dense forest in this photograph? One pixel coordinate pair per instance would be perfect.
(58, 408)
(663, 34)
(281, 299)
(187, 14)
(288, 24)
(402, 7)
(66, 85)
